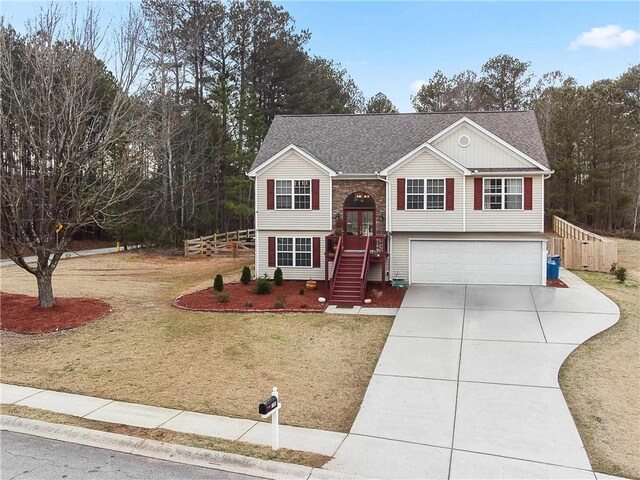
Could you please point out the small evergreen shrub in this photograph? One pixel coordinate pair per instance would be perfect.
(222, 297)
(277, 276)
(301, 291)
(621, 274)
(245, 278)
(218, 284)
(262, 286)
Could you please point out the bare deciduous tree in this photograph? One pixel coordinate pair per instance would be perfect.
(68, 133)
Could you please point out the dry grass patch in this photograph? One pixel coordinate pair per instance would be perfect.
(601, 379)
(199, 441)
(148, 352)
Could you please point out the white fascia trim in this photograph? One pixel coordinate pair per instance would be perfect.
(278, 156)
(493, 137)
(507, 173)
(437, 153)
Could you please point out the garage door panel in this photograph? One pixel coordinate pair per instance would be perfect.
(476, 262)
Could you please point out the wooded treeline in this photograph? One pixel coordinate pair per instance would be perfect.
(216, 74)
(220, 73)
(591, 133)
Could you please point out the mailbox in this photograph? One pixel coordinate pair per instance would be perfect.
(268, 405)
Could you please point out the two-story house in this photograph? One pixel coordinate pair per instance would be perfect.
(428, 197)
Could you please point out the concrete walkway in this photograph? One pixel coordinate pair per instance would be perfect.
(147, 416)
(467, 385)
(80, 253)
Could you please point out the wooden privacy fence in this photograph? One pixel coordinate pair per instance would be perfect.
(234, 242)
(580, 249)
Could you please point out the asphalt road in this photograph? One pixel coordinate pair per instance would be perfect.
(29, 457)
(80, 253)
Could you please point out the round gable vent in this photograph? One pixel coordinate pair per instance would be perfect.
(464, 141)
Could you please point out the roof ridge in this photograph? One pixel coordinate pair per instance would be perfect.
(452, 112)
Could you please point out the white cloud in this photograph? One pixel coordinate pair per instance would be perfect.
(605, 38)
(415, 86)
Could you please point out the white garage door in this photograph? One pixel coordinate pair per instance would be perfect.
(483, 262)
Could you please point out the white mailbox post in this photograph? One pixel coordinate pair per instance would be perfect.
(270, 408)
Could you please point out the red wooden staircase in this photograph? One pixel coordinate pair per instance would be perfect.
(349, 280)
(347, 285)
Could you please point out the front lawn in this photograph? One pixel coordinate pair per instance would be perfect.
(601, 379)
(147, 351)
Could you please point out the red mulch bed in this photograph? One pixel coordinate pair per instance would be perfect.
(556, 283)
(23, 314)
(243, 299)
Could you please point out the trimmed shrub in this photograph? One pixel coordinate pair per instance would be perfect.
(245, 278)
(277, 276)
(262, 286)
(301, 291)
(621, 274)
(218, 284)
(222, 297)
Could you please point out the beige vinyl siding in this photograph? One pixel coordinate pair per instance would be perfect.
(425, 165)
(482, 152)
(399, 267)
(506, 220)
(293, 167)
(290, 273)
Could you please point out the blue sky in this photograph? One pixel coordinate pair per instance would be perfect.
(391, 46)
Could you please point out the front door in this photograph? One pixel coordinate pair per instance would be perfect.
(358, 225)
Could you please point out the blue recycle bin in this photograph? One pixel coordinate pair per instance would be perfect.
(553, 267)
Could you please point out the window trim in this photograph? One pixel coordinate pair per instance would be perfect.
(503, 195)
(424, 195)
(293, 252)
(293, 193)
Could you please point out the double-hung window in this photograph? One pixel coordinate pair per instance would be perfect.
(503, 194)
(425, 194)
(293, 194)
(293, 252)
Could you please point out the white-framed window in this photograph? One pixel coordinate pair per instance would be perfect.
(503, 193)
(293, 252)
(293, 194)
(425, 193)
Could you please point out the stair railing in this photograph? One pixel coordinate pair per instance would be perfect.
(364, 272)
(336, 262)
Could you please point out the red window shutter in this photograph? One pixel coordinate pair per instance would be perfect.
(316, 252)
(449, 189)
(272, 252)
(528, 193)
(477, 194)
(315, 194)
(270, 194)
(401, 184)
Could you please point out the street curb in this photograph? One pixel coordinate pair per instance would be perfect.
(200, 457)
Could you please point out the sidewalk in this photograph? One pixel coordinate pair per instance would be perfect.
(146, 416)
(80, 253)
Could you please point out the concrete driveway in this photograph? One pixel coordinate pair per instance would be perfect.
(467, 385)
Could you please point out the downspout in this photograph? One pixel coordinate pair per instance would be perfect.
(388, 209)
(256, 255)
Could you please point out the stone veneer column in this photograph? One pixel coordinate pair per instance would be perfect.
(343, 188)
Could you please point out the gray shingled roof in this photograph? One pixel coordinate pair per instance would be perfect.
(370, 143)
